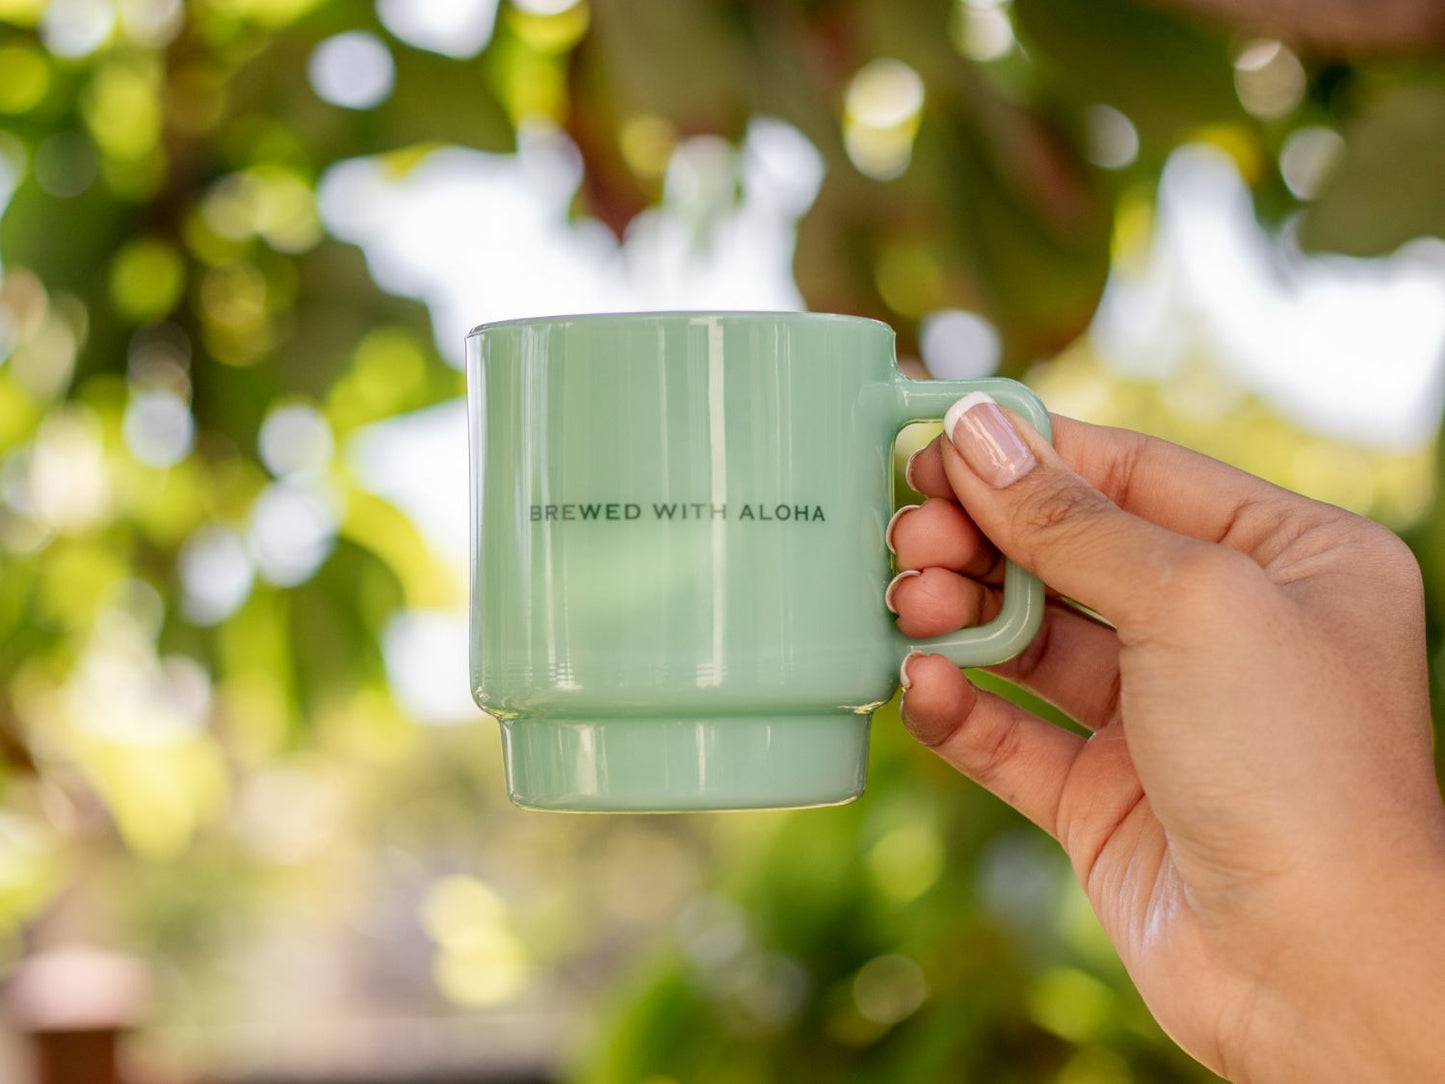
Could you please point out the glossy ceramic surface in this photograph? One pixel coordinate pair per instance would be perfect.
(678, 556)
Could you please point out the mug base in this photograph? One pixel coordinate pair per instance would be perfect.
(632, 765)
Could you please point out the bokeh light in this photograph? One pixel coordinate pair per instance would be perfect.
(1307, 157)
(69, 486)
(66, 164)
(889, 988)
(907, 861)
(1269, 79)
(479, 959)
(958, 345)
(982, 29)
(147, 279)
(158, 427)
(292, 531)
(1071, 1003)
(24, 77)
(295, 440)
(76, 28)
(216, 573)
(546, 7)
(881, 116)
(647, 142)
(268, 201)
(153, 24)
(289, 812)
(353, 70)
(458, 28)
(122, 111)
(1112, 140)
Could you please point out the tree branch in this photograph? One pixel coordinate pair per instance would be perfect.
(1349, 27)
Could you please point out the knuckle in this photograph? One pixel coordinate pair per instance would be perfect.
(1127, 448)
(945, 599)
(933, 587)
(1207, 580)
(991, 744)
(1056, 504)
(1374, 552)
(1390, 553)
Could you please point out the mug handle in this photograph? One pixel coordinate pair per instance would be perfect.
(1023, 594)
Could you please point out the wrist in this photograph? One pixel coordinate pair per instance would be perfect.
(1359, 1000)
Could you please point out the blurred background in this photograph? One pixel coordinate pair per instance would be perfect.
(251, 827)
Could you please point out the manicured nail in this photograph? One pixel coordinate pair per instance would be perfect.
(888, 531)
(893, 586)
(904, 680)
(908, 469)
(987, 440)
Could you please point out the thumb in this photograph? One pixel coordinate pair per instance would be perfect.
(1048, 519)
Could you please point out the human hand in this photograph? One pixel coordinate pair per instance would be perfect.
(1255, 817)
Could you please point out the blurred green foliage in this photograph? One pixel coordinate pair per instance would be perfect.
(169, 290)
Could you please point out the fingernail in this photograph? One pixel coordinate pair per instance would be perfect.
(908, 469)
(892, 522)
(904, 680)
(893, 586)
(987, 440)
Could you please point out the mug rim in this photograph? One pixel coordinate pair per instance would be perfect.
(676, 314)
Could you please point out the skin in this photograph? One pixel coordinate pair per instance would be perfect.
(1255, 816)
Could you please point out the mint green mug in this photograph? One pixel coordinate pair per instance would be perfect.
(678, 557)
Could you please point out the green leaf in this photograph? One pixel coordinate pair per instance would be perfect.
(681, 61)
(1166, 74)
(439, 99)
(435, 99)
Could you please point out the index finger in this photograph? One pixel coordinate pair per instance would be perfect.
(1179, 489)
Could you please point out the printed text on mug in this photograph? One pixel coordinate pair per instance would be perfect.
(694, 510)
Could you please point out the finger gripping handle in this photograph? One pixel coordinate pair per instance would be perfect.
(1023, 594)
